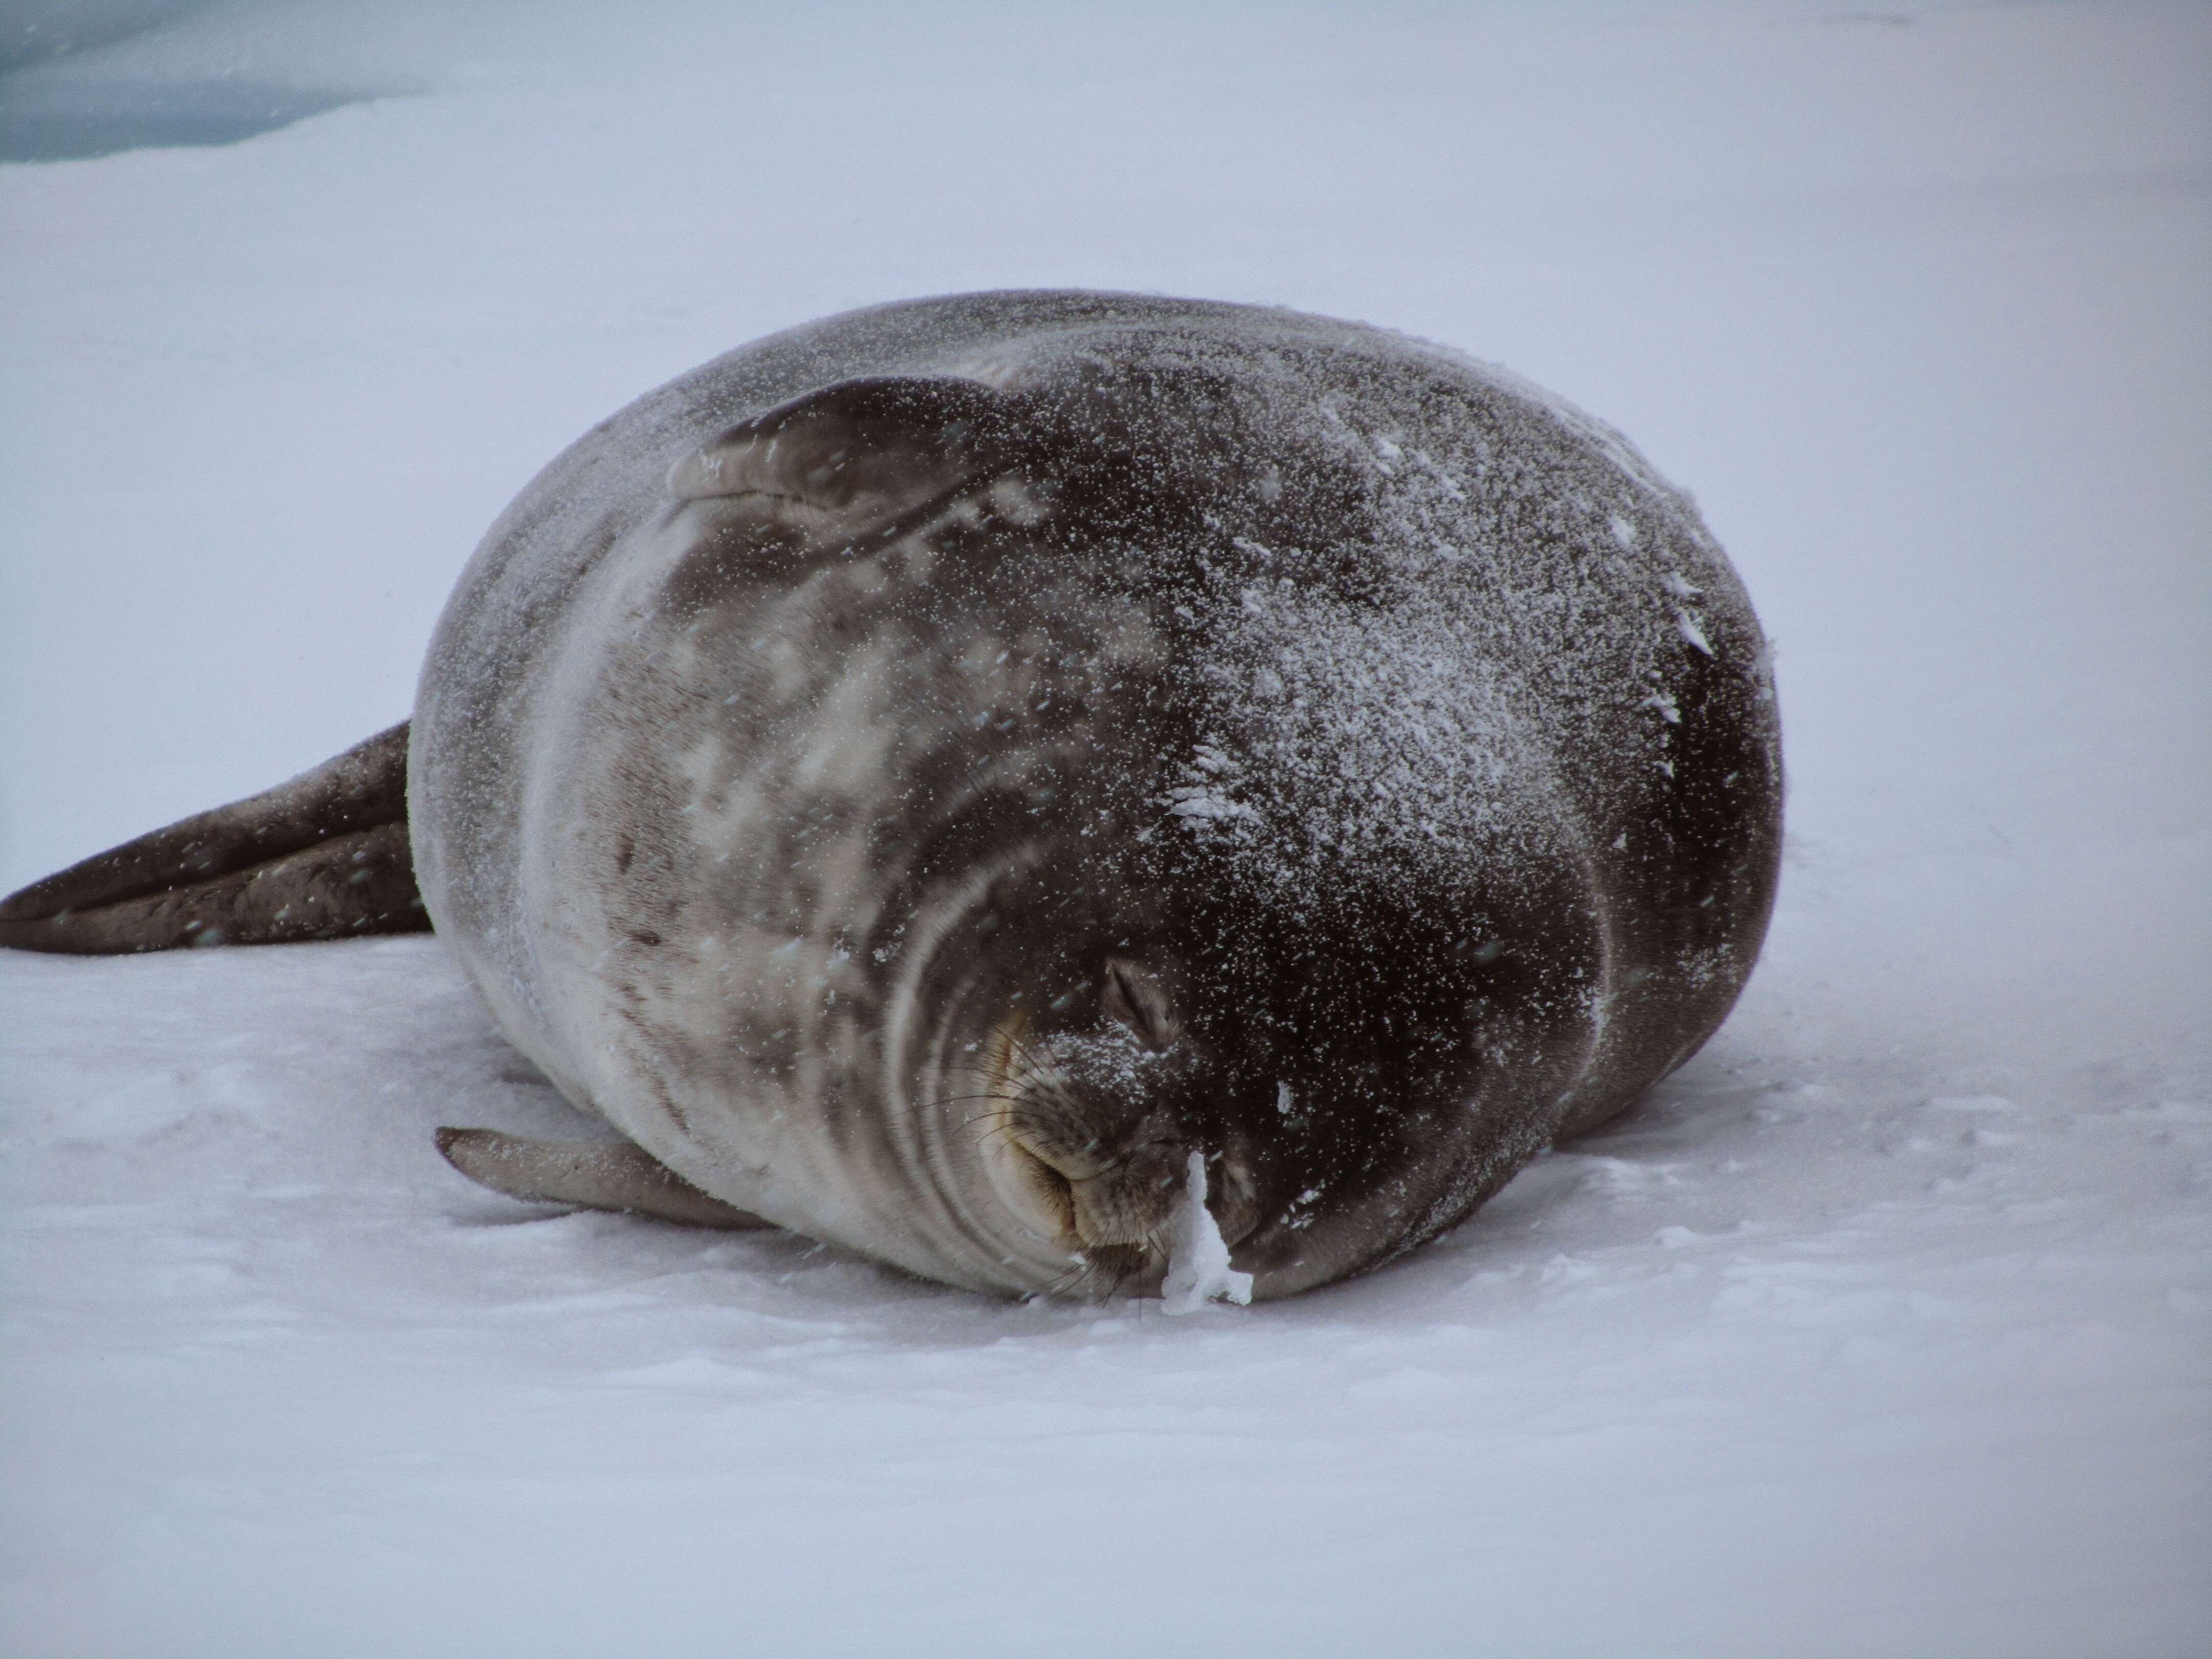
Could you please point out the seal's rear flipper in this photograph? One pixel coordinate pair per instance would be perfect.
(590, 1174)
(325, 856)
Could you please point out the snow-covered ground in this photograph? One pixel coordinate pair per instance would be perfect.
(1884, 1327)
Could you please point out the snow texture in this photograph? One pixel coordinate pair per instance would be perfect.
(1197, 1268)
(1884, 1326)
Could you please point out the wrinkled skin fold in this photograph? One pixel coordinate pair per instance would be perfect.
(923, 776)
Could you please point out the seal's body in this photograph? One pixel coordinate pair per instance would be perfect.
(922, 775)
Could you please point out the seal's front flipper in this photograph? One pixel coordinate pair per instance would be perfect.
(589, 1173)
(325, 856)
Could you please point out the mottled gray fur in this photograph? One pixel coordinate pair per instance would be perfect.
(763, 770)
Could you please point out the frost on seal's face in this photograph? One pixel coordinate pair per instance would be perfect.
(1355, 1070)
(1088, 1115)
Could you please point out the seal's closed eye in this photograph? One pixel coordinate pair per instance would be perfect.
(1136, 995)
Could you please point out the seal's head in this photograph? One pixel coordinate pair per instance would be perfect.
(1356, 1072)
(1087, 1127)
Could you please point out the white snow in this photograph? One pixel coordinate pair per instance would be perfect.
(1884, 1326)
(1198, 1266)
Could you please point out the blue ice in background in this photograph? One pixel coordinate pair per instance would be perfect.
(63, 96)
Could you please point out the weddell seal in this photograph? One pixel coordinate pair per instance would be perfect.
(985, 780)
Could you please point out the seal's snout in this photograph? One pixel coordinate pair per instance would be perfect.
(1095, 1193)
(1129, 1199)
(1098, 1114)
(1091, 1136)
(1123, 1210)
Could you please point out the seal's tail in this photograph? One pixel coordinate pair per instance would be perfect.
(324, 856)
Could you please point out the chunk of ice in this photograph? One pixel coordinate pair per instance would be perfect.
(1197, 1268)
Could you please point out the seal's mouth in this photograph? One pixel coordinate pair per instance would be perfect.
(1099, 1172)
